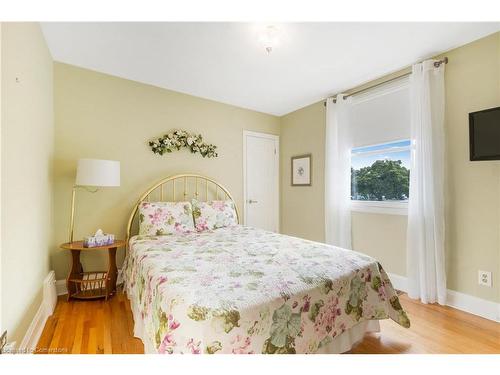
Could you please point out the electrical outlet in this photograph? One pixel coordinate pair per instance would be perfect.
(484, 278)
(3, 341)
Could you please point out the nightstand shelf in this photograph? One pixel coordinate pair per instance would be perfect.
(91, 294)
(95, 284)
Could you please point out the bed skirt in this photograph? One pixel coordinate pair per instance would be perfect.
(340, 344)
(345, 341)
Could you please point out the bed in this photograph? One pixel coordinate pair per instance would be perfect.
(239, 289)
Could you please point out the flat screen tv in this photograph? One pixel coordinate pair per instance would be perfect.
(484, 134)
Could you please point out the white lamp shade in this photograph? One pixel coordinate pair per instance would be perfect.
(94, 172)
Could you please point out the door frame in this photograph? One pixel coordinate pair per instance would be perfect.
(276, 139)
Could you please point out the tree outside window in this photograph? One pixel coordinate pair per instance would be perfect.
(381, 172)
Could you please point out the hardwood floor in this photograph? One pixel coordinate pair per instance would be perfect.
(107, 327)
(94, 327)
(434, 329)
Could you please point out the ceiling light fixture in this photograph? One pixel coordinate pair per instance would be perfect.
(269, 37)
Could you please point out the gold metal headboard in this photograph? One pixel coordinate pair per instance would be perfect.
(193, 186)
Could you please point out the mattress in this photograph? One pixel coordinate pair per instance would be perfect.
(245, 290)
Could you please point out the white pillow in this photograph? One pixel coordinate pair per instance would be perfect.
(213, 214)
(160, 218)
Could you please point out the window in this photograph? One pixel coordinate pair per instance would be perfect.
(379, 124)
(380, 177)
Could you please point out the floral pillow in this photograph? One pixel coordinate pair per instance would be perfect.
(159, 218)
(213, 214)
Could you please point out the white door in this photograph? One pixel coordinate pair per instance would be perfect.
(261, 180)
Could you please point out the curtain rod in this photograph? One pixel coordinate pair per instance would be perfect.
(437, 64)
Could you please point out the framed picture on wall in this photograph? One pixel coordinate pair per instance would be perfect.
(301, 170)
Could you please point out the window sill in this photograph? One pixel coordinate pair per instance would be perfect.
(380, 207)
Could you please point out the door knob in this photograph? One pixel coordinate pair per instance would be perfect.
(251, 201)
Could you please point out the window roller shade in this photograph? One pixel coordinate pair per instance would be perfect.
(381, 115)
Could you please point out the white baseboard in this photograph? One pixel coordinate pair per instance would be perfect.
(460, 301)
(35, 329)
(477, 306)
(399, 282)
(61, 287)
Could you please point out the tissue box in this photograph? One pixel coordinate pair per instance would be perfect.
(99, 240)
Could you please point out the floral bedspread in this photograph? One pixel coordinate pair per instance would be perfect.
(245, 290)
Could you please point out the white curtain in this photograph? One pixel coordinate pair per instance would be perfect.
(337, 173)
(425, 238)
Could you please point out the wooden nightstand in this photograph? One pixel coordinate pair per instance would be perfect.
(90, 285)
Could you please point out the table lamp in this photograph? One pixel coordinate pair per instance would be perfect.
(93, 173)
